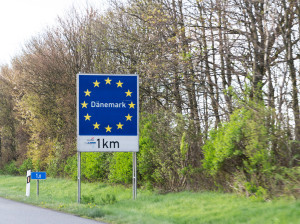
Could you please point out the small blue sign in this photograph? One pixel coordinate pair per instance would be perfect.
(38, 175)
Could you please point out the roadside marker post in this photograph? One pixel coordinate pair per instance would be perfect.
(107, 117)
(28, 177)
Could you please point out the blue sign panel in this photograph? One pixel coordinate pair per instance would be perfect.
(107, 109)
(38, 175)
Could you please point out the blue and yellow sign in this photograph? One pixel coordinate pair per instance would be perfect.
(107, 112)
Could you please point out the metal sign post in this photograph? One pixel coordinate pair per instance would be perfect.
(107, 116)
(37, 188)
(79, 176)
(134, 179)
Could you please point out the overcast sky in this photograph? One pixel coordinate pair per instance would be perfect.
(22, 19)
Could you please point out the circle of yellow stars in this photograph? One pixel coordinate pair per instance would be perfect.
(88, 93)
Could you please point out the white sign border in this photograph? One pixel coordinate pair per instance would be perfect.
(81, 139)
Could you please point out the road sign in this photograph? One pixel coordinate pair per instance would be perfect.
(107, 113)
(38, 175)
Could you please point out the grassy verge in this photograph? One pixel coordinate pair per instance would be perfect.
(113, 204)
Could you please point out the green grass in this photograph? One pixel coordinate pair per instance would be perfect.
(114, 204)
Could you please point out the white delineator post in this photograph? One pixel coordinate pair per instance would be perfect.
(28, 183)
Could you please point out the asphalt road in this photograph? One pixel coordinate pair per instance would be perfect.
(12, 212)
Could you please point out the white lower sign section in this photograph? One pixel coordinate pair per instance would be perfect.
(108, 143)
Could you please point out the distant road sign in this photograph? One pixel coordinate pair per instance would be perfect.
(38, 175)
(107, 113)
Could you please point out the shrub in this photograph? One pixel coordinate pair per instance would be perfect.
(70, 168)
(225, 142)
(166, 157)
(121, 168)
(145, 160)
(245, 147)
(11, 168)
(26, 165)
(95, 165)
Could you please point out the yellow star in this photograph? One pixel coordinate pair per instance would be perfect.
(87, 93)
(108, 128)
(96, 125)
(87, 117)
(128, 93)
(84, 104)
(96, 84)
(119, 84)
(131, 105)
(120, 125)
(107, 81)
(128, 117)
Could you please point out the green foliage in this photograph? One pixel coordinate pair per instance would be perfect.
(162, 160)
(94, 213)
(26, 165)
(145, 162)
(224, 143)
(257, 192)
(121, 168)
(165, 140)
(7, 124)
(53, 169)
(85, 199)
(151, 207)
(108, 199)
(184, 146)
(245, 147)
(38, 102)
(95, 165)
(70, 168)
(10, 168)
(288, 178)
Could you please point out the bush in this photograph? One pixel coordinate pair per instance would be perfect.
(145, 160)
(166, 157)
(26, 165)
(53, 167)
(225, 142)
(70, 168)
(121, 168)
(11, 168)
(289, 181)
(95, 165)
(245, 147)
